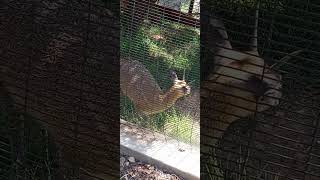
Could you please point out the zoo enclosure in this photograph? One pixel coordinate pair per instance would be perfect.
(164, 39)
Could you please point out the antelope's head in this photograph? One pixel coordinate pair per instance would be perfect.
(244, 69)
(180, 87)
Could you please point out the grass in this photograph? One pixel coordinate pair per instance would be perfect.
(180, 126)
(171, 122)
(185, 6)
(164, 47)
(177, 48)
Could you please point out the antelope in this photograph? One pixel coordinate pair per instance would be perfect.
(240, 84)
(137, 83)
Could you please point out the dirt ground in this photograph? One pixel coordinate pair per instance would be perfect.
(132, 169)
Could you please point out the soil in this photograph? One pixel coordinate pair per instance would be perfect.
(132, 169)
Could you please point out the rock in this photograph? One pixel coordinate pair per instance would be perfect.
(131, 159)
(122, 160)
(126, 163)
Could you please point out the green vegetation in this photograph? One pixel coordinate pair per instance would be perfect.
(181, 126)
(169, 46)
(171, 122)
(165, 47)
(185, 6)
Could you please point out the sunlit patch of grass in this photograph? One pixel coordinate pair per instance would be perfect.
(171, 122)
(182, 46)
(185, 6)
(180, 126)
(168, 45)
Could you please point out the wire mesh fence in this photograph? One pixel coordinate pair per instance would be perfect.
(259, 89)
(259, 98)
(160, 51)
(59, 95)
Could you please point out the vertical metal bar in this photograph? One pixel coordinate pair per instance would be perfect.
(191, 6)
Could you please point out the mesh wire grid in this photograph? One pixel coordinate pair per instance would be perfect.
(239, 141)
(59, 94)
(157, 39)
(282, 143)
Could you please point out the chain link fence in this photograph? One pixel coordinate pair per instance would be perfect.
(59, 94)
(158, 38)
(260, 99)
(259, 85)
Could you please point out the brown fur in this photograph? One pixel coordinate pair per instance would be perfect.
(229, 93)
(137, 83)
(232, 100)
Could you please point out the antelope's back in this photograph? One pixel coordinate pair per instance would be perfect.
(137, 82)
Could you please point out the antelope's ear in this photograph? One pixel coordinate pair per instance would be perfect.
(173, 75)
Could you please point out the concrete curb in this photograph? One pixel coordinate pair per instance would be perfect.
(166, 153)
